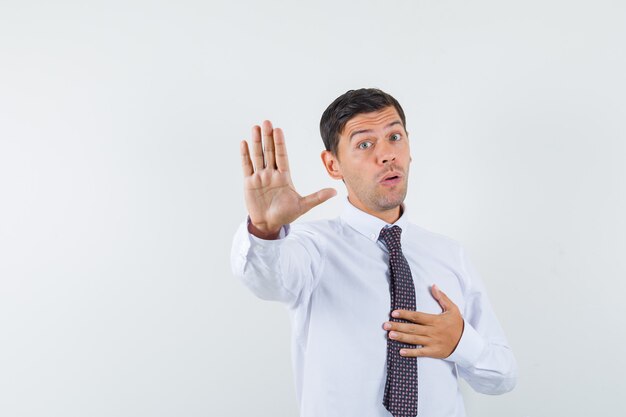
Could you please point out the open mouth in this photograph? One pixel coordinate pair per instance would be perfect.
(391, 180)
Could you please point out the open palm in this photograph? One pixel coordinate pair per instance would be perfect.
(270, 196)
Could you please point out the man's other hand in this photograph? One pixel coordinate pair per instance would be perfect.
(438, 334)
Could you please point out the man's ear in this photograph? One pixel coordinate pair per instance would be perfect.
(410, 157)
(331, 163)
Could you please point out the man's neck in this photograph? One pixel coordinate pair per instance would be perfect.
(388, 216)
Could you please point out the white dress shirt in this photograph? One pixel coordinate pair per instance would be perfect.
(333, 276)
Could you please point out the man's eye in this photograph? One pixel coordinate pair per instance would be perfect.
(364, 145)
(396, 137)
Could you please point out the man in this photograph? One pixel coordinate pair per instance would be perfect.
(385, 315)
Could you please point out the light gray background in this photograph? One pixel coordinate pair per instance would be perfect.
(120, 188)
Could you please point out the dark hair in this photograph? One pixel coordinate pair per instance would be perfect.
(348, 105)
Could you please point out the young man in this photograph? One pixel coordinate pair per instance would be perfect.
(385, 315)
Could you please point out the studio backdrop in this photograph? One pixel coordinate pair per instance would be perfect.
(121, 189)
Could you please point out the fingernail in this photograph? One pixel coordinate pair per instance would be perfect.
(403, 352)
(393, 335)
(395, 314)
(387, 326)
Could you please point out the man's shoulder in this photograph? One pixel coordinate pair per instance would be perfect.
(424, 237)
(318, 226)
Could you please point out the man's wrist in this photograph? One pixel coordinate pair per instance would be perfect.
(469, 349)
(263, 233)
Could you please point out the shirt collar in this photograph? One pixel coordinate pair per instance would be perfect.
(368, 225)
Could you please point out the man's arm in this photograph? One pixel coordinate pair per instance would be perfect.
(492, 369)
(271, 263)
(284, 269)
(474, 340)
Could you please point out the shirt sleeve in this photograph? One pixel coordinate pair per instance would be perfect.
(483, 356)
(286, 269)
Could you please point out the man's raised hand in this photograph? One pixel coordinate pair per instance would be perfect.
(271, 198)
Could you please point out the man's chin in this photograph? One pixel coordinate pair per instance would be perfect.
(392, 200)
(390, 204)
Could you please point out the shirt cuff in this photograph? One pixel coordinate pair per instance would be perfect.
(469, 349)
(284, 231)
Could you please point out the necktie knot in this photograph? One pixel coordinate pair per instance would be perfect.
(391, 237)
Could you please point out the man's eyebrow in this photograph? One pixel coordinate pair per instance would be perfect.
(357, 132)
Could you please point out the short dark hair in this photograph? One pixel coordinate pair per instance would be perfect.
(348, 105)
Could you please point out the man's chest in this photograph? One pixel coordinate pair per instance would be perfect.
(355, 280)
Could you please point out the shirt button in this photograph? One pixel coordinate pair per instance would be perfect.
(373, 236)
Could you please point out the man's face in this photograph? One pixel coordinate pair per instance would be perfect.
(373, 159)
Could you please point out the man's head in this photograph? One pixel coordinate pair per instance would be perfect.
(367, 147)
(348, 105)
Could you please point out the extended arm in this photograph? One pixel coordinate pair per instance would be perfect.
(274, 265)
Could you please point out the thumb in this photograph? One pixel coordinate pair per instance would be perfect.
(312, 200)
(441, 298)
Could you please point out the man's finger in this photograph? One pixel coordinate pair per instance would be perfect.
(246, 163)
(317, 198)
(410, 328)
(409, 339)
(443, 300)
(282, 162)
(419, 352)
(268, 145)
(257, 148)
(415, 316)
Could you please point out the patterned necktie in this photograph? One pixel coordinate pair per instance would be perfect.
(401, 387)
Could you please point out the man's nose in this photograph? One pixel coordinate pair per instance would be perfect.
(386, 154)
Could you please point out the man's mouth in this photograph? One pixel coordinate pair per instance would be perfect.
(391, 179)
